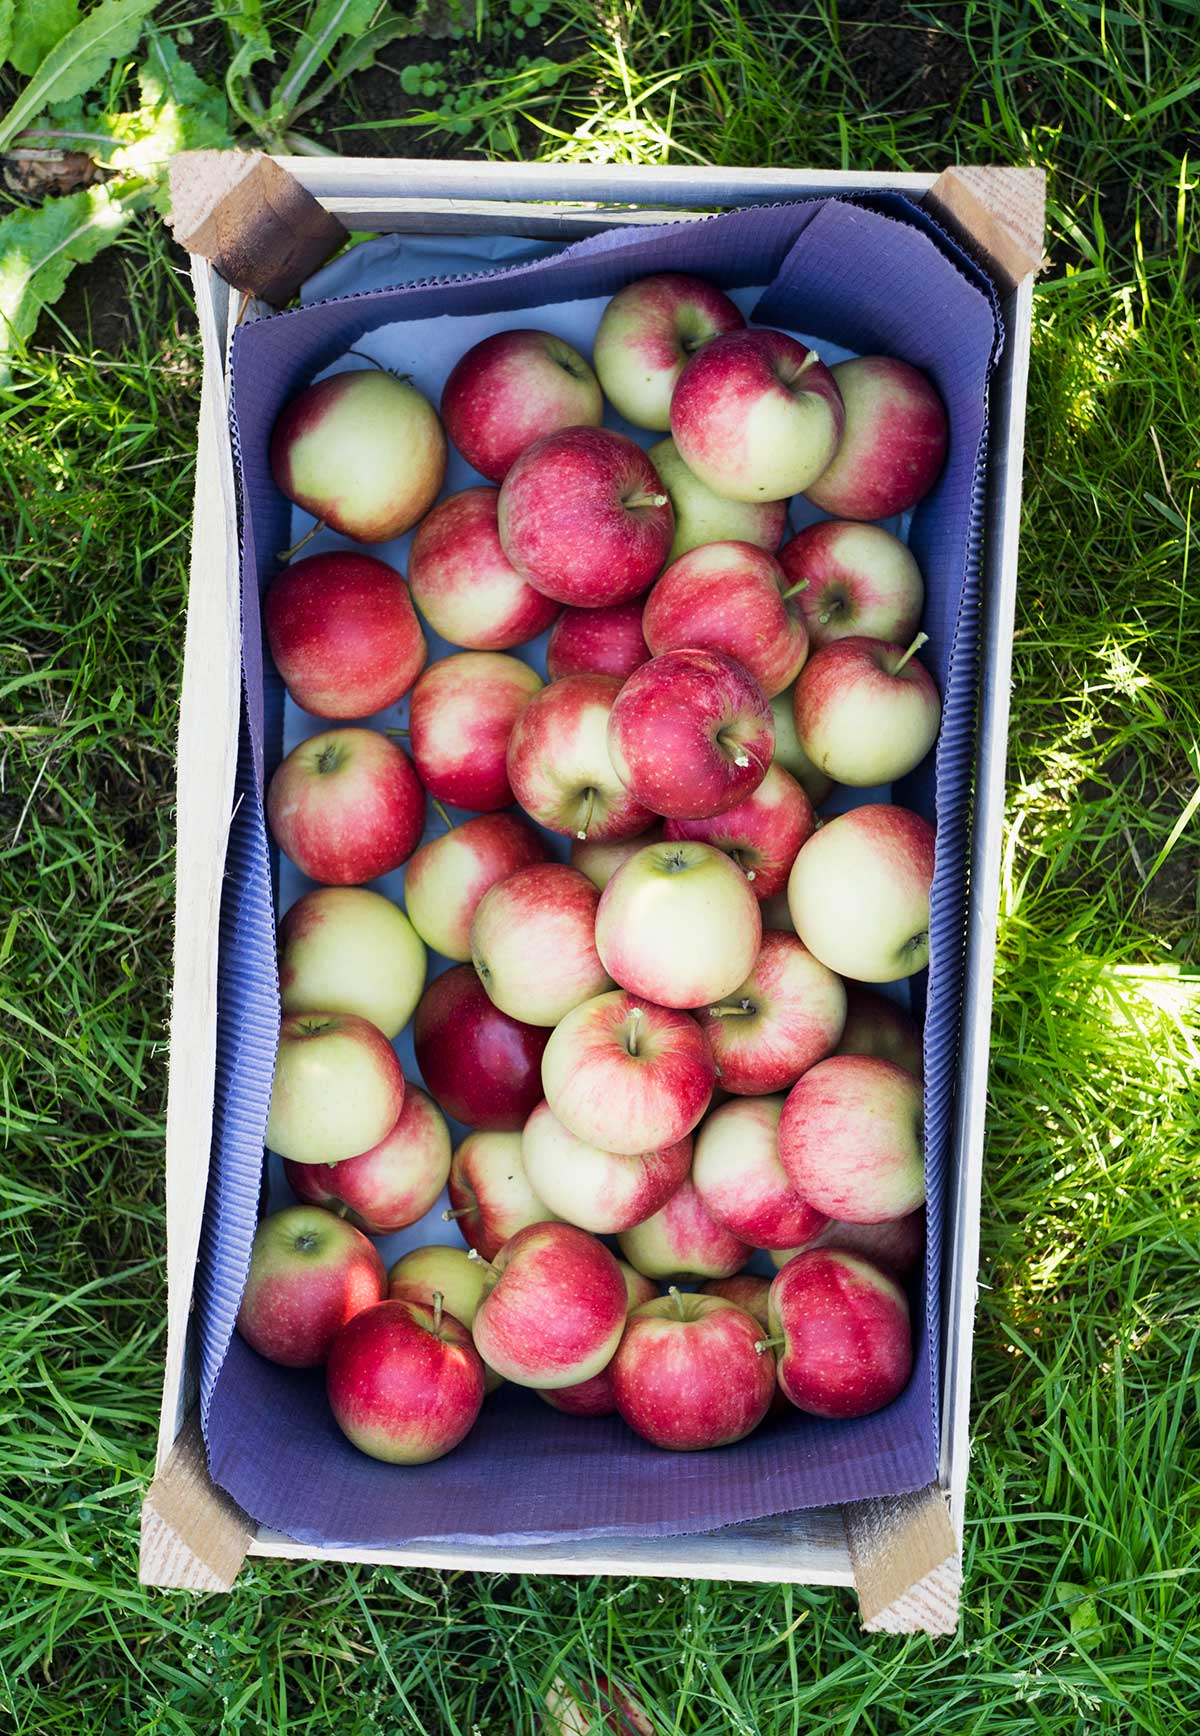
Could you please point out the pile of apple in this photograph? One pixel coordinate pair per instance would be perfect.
(667, 1039)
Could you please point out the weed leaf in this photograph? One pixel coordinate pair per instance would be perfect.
(36, 26)
(78, 61)
(244, 18)
(6, 29)
(357, 56)
(329, 21)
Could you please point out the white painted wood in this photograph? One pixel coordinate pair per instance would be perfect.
(491, 217)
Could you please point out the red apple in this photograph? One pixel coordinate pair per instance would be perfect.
(894, 445)
(856, 578)
(601, 1191)
(740, 1180)
(876, 1026)
(859, 893)
(729, 596)
(462, 581)
(343, 949)
(704, 517)
(556, 1311)
(626, 1075)
(597, 642)
(363, 452)
(683, 1239)
(646, 334)
(480, 1065)
(309, 1274)
(491, 1195)
(392, 1185)
(866, 712)
(691, 734)
(897, 1244)
(338, 1088)
(782, 1020)
(847, 1342)
(756, 416)
(689, 1373)
(343, 633)
(346, 806)
(850, 1139)
(448, 876)
(745, 1290)
(511, 389)
(405, 1382)
(583, 517)
(762, 835)
(601, 861)
(594, 1397)
(559, 764)
(460, 718)
(533, 943)
(600, 1706)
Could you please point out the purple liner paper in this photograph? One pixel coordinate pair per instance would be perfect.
(872, 279)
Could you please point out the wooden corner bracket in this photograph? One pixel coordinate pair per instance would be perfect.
(1000, 214)
(194, 1537)
(907, 1568)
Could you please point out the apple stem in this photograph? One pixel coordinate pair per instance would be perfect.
(635, 1016)
(808, 361)
(449, 1216)
(770, 1344)
(736, 856)
(726, 1011)
(793, 589)
(437, 1311)
(439, 809)
(286, 554)
(648, 500)
(589, 806)
(678, 1299)
(397, 729)
(474, 1254)
(921, 639)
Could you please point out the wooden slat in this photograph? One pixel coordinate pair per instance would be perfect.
(907, 1568)
(193, 1536)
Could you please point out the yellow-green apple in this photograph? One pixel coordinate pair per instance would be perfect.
(462, 581)
(762, 835)
(601, 1191)
(594, 1397)
(344, 949)
(689, 1373)
(740, 1180)
(600, 1706)
(678, 924)
(460, 718)
(790, 756)
(405, 1382)
(894, 443)
(756, 415)
(691, 734)
(850, 1139)
(343, 633)
(785, 1017)
(450, 874)
(682, 1239)
(647, 332)
(729, 596)
(392, 1185)
(626, 1075)
(859, 893)
(338, 1088)
(309, 1274)
(855, 578)
(559, 764)
(481, 1066)
(597, 642)
(601, 861)
(866, 712)
(511, 389)
(745, 1290)
(491, 1196)
(363, 452)
(437, 1270)
(584, 518)
(843, 1332)
(346, 806)
(533, 943)
(556, 1307)
(876, 1026)
(896, 1244)
(704, 517)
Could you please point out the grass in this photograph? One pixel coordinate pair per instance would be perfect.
(1084, 1523)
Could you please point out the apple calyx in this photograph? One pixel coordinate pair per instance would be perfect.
(312, 1024)
(921, 639)
(330, 759)
(285, 555)
(765, 1344)
(305, 1242)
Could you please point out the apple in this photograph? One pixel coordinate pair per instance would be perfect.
(460, 718)
(601, 861)
(740, 1180)
(405, 1382)
(394, 1183)
(435, 1270)
(683, 1239)
(462, 582)
(790, 756)
(745, 1290)
(876, 1026)
(897, 1244)
(850, 1139)
(480, 1065)
(761, 835)
(601, 1191)
(363, 452)
(594, 1397)
(556, 1307)
(600, 1706)
(866, 712)
(559, 764)
(730, 597)
(785, 1017)
(343, 949)
(511, 389)
(346, 806)
(894, 443)
(597, 642)
(646, 334)
(846, 1345)
(343, 633)
(689, 1373)
(704, 517)
(756, 415)
(691, 734)
(338, 1088)
(859, 893)
(533, 943)
(448, 876)
(583, 517)
(626, 1075)
(678, 924)
(857, 579)
(491, 1195)
(309, 1274)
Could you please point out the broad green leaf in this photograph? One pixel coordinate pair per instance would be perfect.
(37, 26)
(244, 18)
(6, 29)
(181, 112)
(328, 23)
(78, 62)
